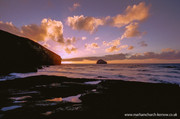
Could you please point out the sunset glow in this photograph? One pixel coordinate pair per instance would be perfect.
(139, 31)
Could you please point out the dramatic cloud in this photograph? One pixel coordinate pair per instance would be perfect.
(131, 31)
(48, 30)
(89, 24)
(130, 19)
(138, 12)
(84, 38)
(130, 47)
(132, 14)
(143, 44)
(74, 7)
(34, 32)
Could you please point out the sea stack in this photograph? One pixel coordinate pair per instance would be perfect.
(101, 62)
(19, 54)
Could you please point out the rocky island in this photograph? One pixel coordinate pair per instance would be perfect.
(101, 62)
(19, 54)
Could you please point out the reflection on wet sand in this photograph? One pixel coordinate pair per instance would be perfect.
(20, 98)
(10, 108)
(73, 99)
(55, 99)
(47, 113)
(92, 82)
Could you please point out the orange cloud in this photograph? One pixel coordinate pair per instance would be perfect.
(70, 41)
(138, 12)
(70, 50)
(131, 31)
(130, 47)
(48, 30)
(84, 38)
(96, 38)
(124, 46)
(115, 42)
(55, 99)
(92, 45)
(113, 49)
(168, 50)
(74, 7)
(135, 13)
(89, 24)
(8, 26)
(114, 45)
(34, 32)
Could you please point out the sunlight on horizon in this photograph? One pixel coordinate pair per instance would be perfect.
(66, 62)
(127, 27)
(147, 61)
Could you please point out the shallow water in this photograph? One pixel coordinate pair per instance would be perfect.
(47, 96)
(154, 73)
(10, 108)
(43, 98)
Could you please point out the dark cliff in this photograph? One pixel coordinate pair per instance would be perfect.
(18, 54)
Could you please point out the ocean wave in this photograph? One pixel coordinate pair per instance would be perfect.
(139, 72)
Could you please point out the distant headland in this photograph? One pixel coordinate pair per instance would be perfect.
(101, 62)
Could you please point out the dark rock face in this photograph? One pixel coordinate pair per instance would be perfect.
(101, 62)
(18, 54)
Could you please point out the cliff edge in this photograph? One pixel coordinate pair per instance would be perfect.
(19, 54)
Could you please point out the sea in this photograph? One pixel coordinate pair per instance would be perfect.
(150, 73)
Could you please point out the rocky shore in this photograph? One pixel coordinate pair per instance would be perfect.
(51, 97)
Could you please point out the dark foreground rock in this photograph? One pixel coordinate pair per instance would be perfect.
(52, 97)
(101, 62)
(18, 54)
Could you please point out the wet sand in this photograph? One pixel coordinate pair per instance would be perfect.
(51, 97)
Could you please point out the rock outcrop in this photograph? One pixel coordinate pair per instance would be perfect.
(18, 54)
(101, 62)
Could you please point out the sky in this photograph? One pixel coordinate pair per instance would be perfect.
(82, 31)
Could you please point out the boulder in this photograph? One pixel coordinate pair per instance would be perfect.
(101, 62)
(19, 54)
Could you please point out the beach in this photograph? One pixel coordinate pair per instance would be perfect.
(50, 97)
(89, 59)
